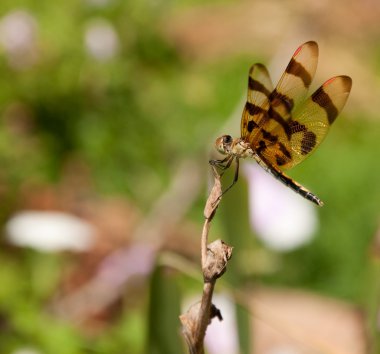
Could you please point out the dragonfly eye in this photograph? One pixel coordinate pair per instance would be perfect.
(227, 139)
(223, 144)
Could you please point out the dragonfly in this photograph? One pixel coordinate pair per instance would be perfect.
(281, 127)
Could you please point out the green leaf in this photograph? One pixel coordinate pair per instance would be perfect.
(164, 309)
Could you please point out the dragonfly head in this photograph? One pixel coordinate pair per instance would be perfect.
(223, 144)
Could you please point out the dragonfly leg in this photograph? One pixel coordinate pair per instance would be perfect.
(220, 163)
(236, 176)
(224, 165)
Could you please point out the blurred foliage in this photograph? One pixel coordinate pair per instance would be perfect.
(163, 314)
(131, 118)
(123, 116)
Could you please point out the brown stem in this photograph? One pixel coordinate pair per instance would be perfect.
(214, 258)
(204, 239)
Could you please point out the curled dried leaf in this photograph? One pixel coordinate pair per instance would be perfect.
(218, 254)
(189, 324)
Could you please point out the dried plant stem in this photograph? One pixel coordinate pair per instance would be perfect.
(204, 240)
(214, 258)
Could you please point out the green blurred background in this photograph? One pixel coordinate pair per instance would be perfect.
(109, 110)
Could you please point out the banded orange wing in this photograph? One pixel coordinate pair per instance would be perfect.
(258, 103)
(279, 129)
(291, 89)
(309, 124)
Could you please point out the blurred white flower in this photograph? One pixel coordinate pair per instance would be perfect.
(18, 37)
(221, 336)
(50, 231)
(282, 219)
(101, 40)
(136, 260)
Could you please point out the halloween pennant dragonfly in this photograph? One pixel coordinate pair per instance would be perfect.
(279, 128)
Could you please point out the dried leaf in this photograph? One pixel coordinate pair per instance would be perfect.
(218, 254)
